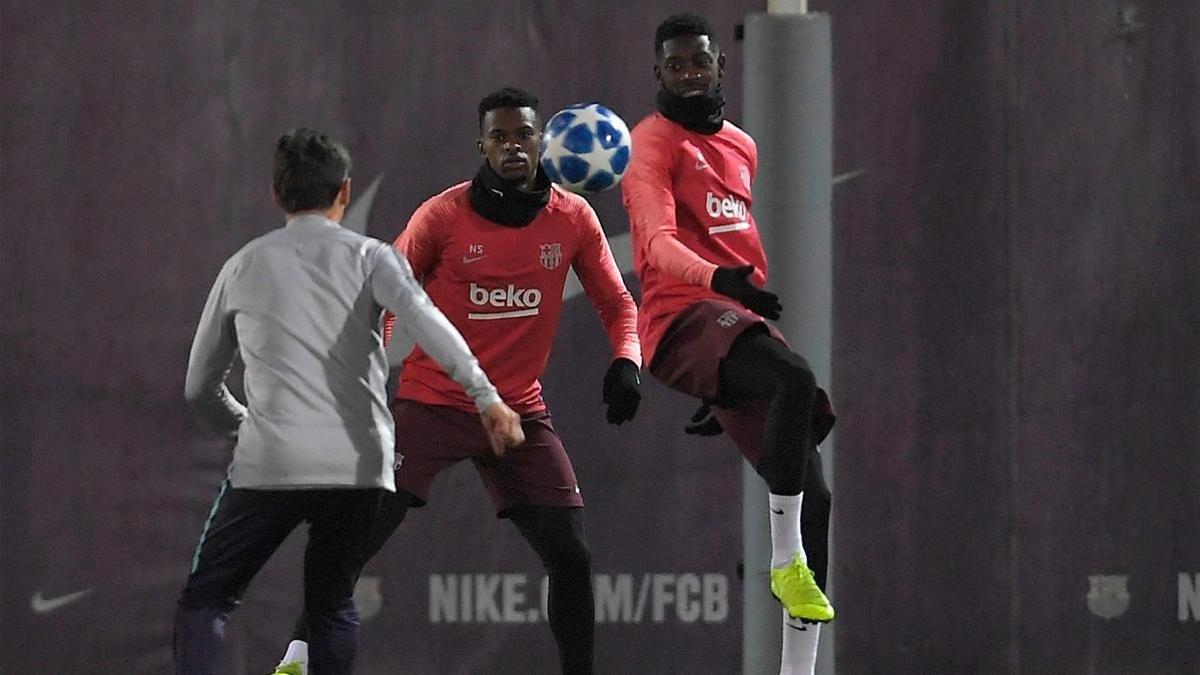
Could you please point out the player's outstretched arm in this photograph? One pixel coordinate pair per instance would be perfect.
(393, 286)
(601, 280)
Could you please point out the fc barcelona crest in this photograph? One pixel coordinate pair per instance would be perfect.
(1108, 595)
(550, 255)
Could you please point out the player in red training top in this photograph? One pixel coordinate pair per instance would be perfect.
(702, 318)
(493, 253)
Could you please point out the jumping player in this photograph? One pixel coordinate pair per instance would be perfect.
(314, 442)
(702, 319)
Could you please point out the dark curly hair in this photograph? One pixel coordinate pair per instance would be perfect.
(678, 25)
(508, 97)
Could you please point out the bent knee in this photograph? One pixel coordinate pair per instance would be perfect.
(796, 378)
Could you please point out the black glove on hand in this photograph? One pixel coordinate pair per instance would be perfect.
(621, 391)
(704, 422)
(733, 282)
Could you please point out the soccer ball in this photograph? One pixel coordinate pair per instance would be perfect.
(585, 148)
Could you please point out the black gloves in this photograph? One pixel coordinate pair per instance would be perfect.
(733, 282)
(704, 423)
(621, 391)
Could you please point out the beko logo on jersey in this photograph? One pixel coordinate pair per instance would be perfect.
(518, 301)
(725, 207)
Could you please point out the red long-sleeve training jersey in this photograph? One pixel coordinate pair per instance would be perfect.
(688, 198)
(502, 288)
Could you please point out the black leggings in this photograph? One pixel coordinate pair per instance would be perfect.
(556, 535)
(759, 366)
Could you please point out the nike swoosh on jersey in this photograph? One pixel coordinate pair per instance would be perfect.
(41, 605)
(467, 260)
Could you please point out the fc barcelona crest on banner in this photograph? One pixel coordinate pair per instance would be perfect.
(368, 596)
(1108, 595)
(550, 255)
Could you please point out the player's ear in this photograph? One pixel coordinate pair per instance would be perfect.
(657, 74)
(343, 195)
(479, 147)
(721, 64)
(275, 197)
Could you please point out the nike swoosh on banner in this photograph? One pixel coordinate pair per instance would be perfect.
(780, 511)
(360, 208)
(41, 605)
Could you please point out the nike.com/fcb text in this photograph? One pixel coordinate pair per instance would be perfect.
(620, 598)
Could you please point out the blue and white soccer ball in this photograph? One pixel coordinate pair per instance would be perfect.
(585, 148)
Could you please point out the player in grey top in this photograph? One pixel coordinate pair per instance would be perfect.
(302, 305)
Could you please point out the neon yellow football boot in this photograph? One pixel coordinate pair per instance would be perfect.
(793, 585)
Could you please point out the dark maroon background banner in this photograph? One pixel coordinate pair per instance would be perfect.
(1017, 337)
(136, 158)
(1017, 333)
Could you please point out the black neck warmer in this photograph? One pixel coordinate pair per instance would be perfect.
(703, 114)
(502, 202)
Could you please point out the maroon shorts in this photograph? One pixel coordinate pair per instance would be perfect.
(430, 438)
(689, 358)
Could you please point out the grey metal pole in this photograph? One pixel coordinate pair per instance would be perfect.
(789, 112)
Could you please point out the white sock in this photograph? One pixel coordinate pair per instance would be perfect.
(799, 646)
(297, 650)
(785, 528)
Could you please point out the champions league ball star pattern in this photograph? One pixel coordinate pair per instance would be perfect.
(585, 148)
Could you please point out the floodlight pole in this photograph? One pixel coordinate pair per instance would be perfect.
(789, 112)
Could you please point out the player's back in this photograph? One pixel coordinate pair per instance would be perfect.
(308, 331)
